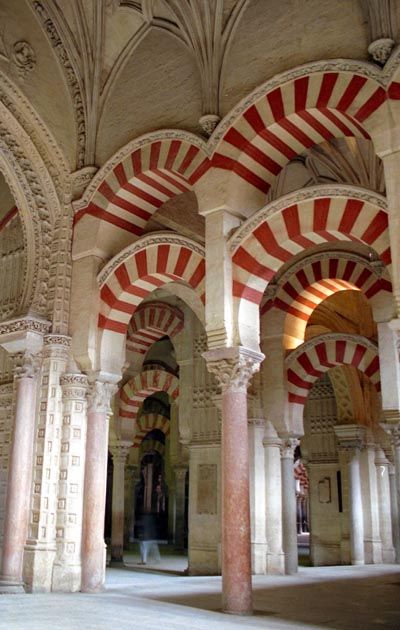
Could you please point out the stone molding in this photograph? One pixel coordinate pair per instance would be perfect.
(380, 49)
(155, 238)
(99, 397)
(304, 194)
(233, 367)
(394, 433)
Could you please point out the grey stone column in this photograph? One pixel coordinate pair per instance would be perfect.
(275, 561)
(350, 441)
(289, 512)
(119, 451)
(179, 512)
(385, 521)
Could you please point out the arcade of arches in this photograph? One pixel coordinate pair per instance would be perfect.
(199, 286)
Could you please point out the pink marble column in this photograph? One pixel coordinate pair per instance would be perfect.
(233, 368)
(119, 451)
(20, 472)
(93, 546)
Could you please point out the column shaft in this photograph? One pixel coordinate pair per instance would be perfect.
(119, 452)
(273, 501)
(355, 510)
(385, 523)
(93, 547)
(289, 508)
(179, 521)
(236, 549)
(19, 483)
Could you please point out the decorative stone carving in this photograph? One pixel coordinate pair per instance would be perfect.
(71, 76)
(24, 325)
(380, 49)
(120, 451)
(23, 58)
(26, 365)
(74, 386)
(394, 432)
(81, 179)
(287, 446)
(350, 437)
(208, 123)
(233, 367)
(99, 396)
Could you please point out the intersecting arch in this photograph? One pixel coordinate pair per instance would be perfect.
(294, 111)
(143, 385)
(310, 360)
(301, 220)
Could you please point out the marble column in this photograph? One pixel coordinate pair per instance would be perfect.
(257, 494)
(275, 560)
(289, 507)
(350, 439)
(385, 522)
(93, 546)
(369, 482)
(394, 512)
(134, 471)
(26, 369)
(179, 511)
(233, 368)
(119, 451)
(393, 429)
(67, 567)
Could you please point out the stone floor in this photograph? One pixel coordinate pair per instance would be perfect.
(331, 597)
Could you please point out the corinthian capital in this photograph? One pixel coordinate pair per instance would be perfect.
(233, 367)
(99, 396)
(119, 450)
(26, 364)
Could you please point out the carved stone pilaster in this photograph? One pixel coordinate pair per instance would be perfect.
(74, 386)
(381, 16)
(233, 367)
(99, 397)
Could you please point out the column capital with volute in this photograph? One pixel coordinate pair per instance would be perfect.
(120, 450)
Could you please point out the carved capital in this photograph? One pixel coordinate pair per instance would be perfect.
(180, 472)
(99, 397)
(350, 437)
(26, 364)
(233, 367)
(56, 346)
(288, 446)
(120, 451)
(74, 386)
(394, 433)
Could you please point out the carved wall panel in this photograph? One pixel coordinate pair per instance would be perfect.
(12, 268)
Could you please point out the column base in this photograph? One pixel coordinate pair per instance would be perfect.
(38, 568)
(10, 587)
(66, 578)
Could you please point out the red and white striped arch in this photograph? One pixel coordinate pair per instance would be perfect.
(150, 171)
(300, 221)
(149, 263)
(310, 360)
(292, 112)
(300, 292)
(149, 422)
(143, 385)
(150, 322)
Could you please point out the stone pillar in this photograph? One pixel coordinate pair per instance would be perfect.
(393, 428)
(133, 479)
(372, 536)
(26, 369)
(40, 548)
(394, 512)
(179, 507)
(257, 494)
(93, 546)
(275, 560)
(119, 451)
(385, 522)
(67, 566)
(350, 440)
(289, 509)
(233, 368)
